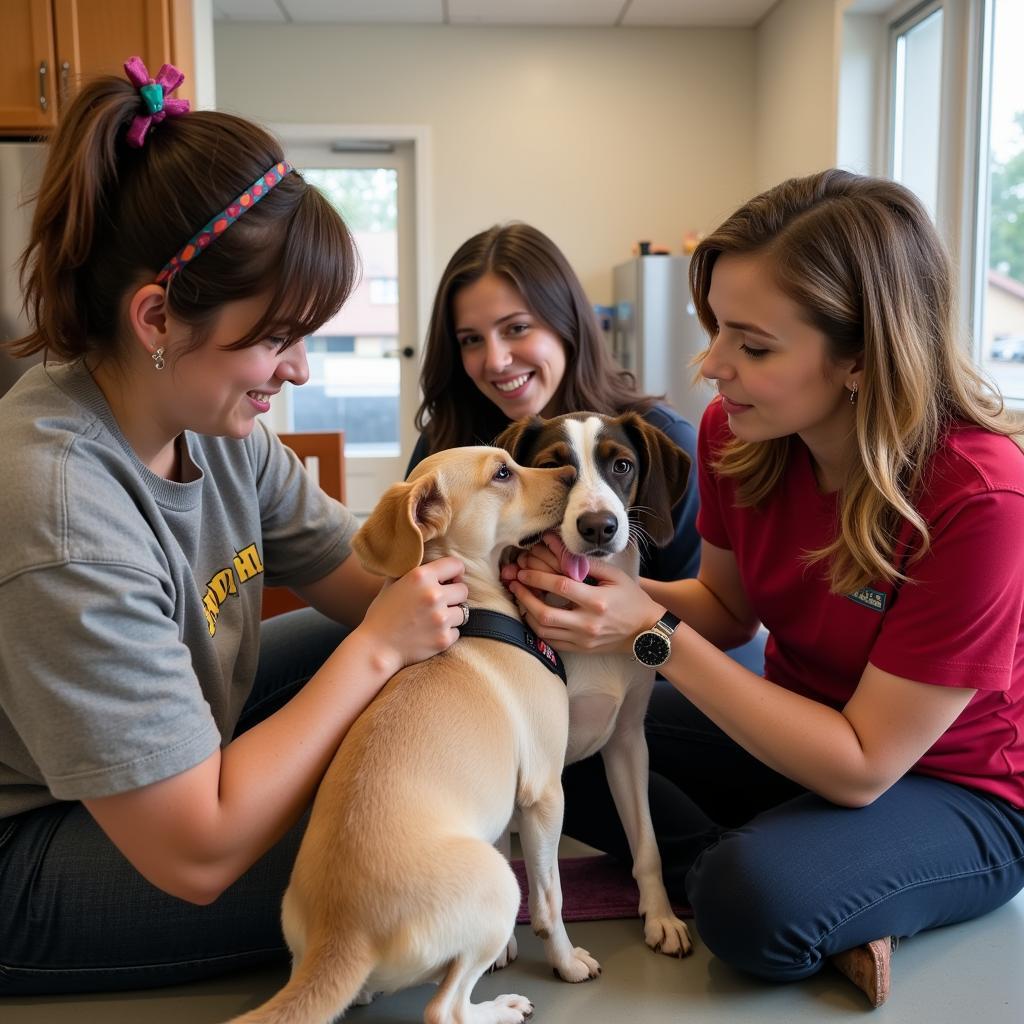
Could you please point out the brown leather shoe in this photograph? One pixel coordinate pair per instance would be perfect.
(867, 967)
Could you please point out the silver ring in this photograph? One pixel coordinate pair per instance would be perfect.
(465, 613)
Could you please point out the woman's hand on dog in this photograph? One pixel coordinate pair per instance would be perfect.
(601, 618)
(418, 615)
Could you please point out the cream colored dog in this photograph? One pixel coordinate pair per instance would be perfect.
(397, 881)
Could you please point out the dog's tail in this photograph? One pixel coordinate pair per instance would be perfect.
(322, 986)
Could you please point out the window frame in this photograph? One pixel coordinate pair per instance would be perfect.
(897, 29)
(964, 105)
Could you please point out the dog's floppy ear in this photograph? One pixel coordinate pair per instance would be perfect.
(390, 542)
(664, 472)
(518, 438)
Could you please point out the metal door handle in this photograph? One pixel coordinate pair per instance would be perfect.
(407, 352)
(42, 85)
(65, 71)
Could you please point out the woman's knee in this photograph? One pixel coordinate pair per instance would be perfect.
(749, 906)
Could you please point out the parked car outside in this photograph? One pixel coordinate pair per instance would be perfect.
(1008, 349)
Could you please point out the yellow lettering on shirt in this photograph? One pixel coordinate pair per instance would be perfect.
(224, 583)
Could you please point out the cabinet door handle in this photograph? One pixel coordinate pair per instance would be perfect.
(65, 70)
(42, 85)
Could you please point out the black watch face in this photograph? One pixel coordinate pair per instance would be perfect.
(651, 649)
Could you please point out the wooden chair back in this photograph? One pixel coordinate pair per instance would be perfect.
(323, 455)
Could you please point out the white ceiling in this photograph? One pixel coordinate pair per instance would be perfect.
(574, 13)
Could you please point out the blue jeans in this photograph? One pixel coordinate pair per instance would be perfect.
(75, 916)
(778, 878)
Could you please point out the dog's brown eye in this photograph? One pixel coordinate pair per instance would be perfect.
(622, 466)
(503, 473)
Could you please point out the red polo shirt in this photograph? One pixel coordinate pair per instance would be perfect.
(958, 622)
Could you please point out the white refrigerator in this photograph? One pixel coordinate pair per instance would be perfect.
(655, 332)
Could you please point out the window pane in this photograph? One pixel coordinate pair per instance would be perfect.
(1003, 297)
(353, 370)
(916, 115)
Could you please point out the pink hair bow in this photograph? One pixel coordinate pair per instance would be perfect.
(154, 92)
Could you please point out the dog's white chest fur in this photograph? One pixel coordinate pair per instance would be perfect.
(598, 685)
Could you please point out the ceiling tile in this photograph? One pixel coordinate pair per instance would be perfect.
(535, 12)
(697, 13)
(381, 12)
(247, 10)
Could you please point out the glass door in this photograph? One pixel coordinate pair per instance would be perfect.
(363, 370)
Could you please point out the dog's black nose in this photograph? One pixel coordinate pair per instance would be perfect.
(597, 527)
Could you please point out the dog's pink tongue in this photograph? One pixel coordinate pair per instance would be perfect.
(575, 567)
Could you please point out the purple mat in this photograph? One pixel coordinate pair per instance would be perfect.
(593, 889)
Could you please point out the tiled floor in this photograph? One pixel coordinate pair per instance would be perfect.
(968, 972)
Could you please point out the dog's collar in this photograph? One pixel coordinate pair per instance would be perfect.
(509, 630)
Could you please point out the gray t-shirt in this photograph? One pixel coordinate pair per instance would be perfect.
(130, 604)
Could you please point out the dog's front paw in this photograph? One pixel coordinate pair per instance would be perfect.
(507, 1009)
(510, 952)
(667, 935)
(580, 966)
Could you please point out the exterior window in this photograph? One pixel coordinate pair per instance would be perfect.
(1002, 217)
(916, 91)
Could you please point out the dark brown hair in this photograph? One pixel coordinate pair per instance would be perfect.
(108, 217)
(862, 259)
(453, 411)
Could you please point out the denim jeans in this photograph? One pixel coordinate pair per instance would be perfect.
(75, 916)
(778, 878)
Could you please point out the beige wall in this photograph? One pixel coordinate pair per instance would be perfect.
(598, 137)
(797, 84)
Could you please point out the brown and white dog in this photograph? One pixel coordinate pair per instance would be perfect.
(397, 881)
(629, 475)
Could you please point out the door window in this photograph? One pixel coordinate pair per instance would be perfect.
(354, 380)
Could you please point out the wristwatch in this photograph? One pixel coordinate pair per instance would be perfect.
(653, 646)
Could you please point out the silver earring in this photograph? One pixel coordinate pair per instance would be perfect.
(853, 393)
(158, 358)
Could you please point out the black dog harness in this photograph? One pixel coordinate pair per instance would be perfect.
(509, 630)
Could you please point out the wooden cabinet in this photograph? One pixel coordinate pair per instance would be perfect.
(48, 46)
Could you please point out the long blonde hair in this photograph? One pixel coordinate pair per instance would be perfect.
(861, 257)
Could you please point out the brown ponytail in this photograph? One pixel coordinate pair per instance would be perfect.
(108, 217)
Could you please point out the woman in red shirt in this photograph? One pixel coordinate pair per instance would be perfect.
(862, 497)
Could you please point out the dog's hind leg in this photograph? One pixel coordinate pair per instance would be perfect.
(626, 764)
(540, 825)
(451, 1005)
(474, 932)
(511, 951)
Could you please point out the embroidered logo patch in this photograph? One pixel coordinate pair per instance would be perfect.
(870, 598)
